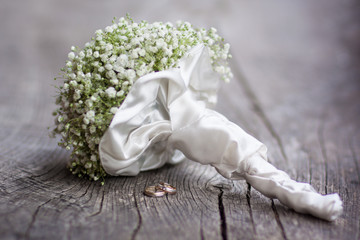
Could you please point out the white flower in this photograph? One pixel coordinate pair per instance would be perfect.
(142, 52)
(73, 83)
(211, 41)
(134, 41)
(89, 52)
(89, 103)
(220, 69)
(97, 76)
(104, 58)
(108, 47)
(93, 98)
(164, 60)
(88, 165)
(114, 81)
(141, 72)
(60, 119)
(108, 66)
(110, 74)
(118, 68)
(80, 74)
(101, 69)
(168, 52)
(123, 38)
(109, 29)
(72, 75)
(92, 129)
(120, 93)
(86, 121)
(112, 59)
(96, 54)
(81, 54)
(122, 60)
(93, 158)
(71, 55)
(125, 84)
(153, 49)
(110, 92)
(77, 94)
(134, 54)
(113, 110)
(161, 33)
(90, 115)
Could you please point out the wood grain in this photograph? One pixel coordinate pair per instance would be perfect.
(296, 88)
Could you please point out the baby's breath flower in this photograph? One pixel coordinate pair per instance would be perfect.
(101, 69)
(71, 55)
(96, 54)
(111, 92)
(114, 81)
(98, 77)
(120, 93)
(92, 129)
(113, 110)
(93, 158)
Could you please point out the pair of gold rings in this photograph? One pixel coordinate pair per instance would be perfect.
(159, 190)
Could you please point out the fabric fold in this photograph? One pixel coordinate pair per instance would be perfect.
(166, 117)
(301, 197)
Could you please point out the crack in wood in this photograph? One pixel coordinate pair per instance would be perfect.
(138, 226)
(310, 169)
(323, 153)
(277, 218)
(87, 189)
(101, 205)
(257, 107)
(358, 230)
(33, 218)
(202, 237)
(248, 197)
(309, 162)
(354, 157)
(223, 227)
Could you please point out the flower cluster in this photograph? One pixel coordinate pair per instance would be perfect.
(98, 77)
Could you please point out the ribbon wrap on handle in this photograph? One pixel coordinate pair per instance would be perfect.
(166, 117)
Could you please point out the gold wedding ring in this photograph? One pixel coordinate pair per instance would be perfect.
(161, 189)
(152, 191)
(166, 188)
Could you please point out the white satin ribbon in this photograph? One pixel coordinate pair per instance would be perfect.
(166, 115)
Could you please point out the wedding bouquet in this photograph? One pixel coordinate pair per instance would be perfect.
(98, 78)
(139, 95)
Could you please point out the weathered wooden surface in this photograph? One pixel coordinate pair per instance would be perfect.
(296, 88)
